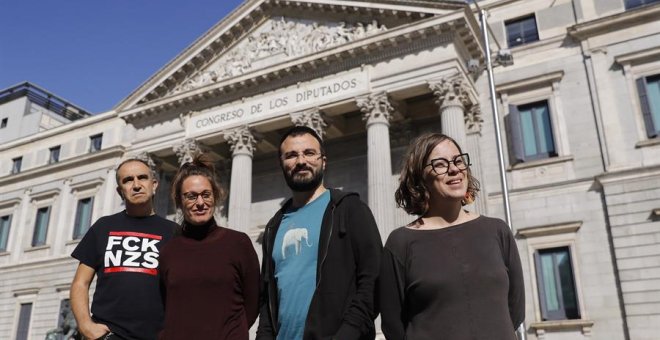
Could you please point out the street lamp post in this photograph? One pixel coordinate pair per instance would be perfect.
(498, 135)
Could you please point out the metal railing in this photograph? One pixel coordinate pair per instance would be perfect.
(44, 99)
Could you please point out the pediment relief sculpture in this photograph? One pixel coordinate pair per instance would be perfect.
(278, 40)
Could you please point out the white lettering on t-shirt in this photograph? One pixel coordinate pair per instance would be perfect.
(128, 251)
(126, 243)
(150, 260)
(131, 256)
(112, 259)
(149, 244)
(113, 241)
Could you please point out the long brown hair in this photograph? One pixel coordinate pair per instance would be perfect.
(413, 194)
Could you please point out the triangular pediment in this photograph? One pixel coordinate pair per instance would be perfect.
(278, 40)
(262, 33)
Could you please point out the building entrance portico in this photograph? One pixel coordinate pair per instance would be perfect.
(581, 147)
(365, 78)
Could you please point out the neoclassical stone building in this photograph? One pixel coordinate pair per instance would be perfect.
(579, 107)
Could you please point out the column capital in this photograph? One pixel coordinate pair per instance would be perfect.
(242, 141)
(145, 157)
(376, 108)
(186, 150)
(312, 118)
(473, 118)
(450, 91)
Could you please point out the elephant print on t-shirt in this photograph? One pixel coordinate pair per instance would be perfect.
(294, 237)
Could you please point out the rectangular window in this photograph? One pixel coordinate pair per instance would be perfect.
(648, 89)
(83, 217)
(4, 123)
(41, 226)
(521, 31)
(24, 314)
(54, 155)
(16, 165)
(556, 282)
(530, 132)
(5, 224)
(630, 4)
(95, 142)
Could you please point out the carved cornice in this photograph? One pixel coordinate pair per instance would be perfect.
(312, 118)
(44, 195)
(376, 108)
(615, 22)
(650, 54)
(10, 202)
(392, 43)
(241, 141)
(543, 327)
(551, 229)
(75, 162)
(86, 184)
(225, 34)
(525, 84)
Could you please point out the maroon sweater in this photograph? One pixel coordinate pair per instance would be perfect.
(210, 284)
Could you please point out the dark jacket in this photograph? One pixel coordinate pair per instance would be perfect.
(350, 247)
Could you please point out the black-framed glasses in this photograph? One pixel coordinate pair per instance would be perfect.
(440, 165)
(309, 155)
(191, 197)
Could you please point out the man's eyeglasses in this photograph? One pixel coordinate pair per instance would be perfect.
(308, 155)
(191, 197)
(441, 165)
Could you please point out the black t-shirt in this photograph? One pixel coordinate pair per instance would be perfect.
(124, 251)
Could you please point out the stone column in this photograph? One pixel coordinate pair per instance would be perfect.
(312, 118)
(473, 123)
(452, 97)
(377, 112)
(242, 144)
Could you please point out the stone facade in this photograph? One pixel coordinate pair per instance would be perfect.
(369, 76)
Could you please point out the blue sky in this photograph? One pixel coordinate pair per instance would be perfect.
(94, 53)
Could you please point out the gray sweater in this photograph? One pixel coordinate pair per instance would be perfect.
(459, 282)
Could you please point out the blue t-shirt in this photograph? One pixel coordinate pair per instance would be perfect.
(295, 255)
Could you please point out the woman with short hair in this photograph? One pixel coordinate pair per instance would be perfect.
(451, 273)
(209, 274)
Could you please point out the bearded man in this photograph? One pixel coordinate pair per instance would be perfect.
(321, 254)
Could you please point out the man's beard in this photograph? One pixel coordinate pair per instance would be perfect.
(304, 184)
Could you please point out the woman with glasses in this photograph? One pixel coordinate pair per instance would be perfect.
(209, 274)
(450, 273)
